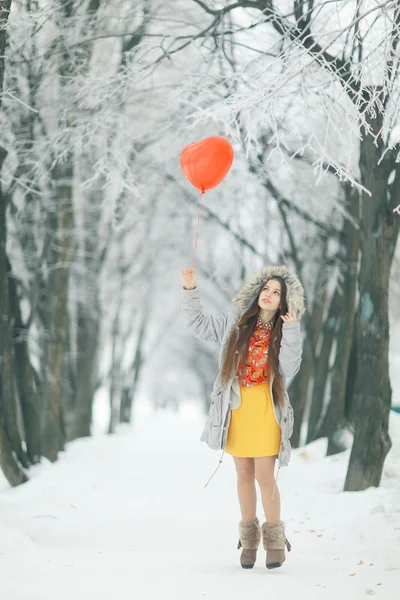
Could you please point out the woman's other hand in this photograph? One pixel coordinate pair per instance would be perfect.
(290, 317)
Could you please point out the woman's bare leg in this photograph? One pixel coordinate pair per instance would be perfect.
(246, 488)
(264, 473)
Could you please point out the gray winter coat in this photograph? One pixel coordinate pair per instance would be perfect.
(217, 329)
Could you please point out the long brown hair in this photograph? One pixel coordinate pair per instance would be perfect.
(238, 342)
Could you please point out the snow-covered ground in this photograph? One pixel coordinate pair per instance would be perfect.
(127, 517)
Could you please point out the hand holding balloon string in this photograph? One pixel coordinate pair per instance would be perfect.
(189, 278)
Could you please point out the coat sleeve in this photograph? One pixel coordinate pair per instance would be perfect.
(291, 349)
(210, 329)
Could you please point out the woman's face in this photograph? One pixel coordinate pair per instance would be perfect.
(270, 296)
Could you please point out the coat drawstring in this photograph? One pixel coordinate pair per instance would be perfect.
(220, 461)
(276, 482)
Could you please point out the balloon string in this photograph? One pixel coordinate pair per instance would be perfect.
(197, 229)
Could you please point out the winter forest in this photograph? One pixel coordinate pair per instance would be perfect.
(98, 99)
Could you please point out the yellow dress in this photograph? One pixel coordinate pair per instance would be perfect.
(254, 431)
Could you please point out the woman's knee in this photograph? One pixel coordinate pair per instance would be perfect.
(265, 480)
(246, 477)
(264, 472)
(245, 470)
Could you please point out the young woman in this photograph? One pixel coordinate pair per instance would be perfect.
(250, 416)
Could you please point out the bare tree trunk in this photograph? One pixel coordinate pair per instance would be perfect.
(115, 375)
(322, 365)
(25, 379)
(299, 387)
(53, 435)
(298, 391)
(373, 392)
(10, 398)
(81, 371)
(10, 467)
(129, 392)
(115, 379)
(334, 419)
(8, 463)
(84, 387)
(10, 442)
(134, 372)
(82, 364)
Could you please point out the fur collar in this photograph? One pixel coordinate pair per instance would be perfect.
(295, 291)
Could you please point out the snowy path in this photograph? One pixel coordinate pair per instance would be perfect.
(127, 517)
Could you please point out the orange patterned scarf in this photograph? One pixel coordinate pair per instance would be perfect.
(255, 369)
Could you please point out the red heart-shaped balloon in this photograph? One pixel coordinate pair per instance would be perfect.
(206, 163)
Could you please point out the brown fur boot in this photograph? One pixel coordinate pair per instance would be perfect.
(249, 540)
(274, 541)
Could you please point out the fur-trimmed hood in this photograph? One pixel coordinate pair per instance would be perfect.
(295, 291)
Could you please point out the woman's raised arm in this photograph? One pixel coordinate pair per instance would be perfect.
(204, 327)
